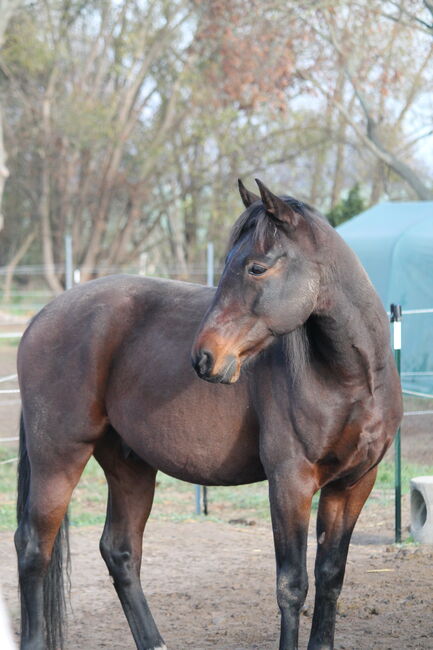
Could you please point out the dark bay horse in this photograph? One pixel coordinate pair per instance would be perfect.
(105, 369)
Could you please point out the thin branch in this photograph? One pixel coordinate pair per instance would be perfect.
(372, 141)
(413, 17)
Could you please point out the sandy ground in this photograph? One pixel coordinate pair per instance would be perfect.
(212, 585)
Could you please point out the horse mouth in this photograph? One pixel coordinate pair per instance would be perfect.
(232, 371)
(229, 375)
(254, 350)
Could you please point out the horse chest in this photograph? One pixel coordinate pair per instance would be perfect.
(358, 446)
(337, 438)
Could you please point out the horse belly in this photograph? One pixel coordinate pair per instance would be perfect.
(204, 433)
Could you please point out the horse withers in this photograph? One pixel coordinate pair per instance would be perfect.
(301, 389)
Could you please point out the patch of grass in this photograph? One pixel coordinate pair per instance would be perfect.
(7, 517)
(175, 500)
(7, 489)
(78, 517)
(385, 475)
(413, 403)
(11, 343)
(90, 497)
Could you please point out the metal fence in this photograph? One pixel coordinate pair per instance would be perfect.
(200, 493)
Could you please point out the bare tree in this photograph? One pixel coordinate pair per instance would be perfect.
(7, 9)
(126, 123)
(355, 61)
(365, 65)
(103, 104)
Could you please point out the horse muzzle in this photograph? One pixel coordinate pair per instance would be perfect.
(203, 363)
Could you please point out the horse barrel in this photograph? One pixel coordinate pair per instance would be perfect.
(421, 509)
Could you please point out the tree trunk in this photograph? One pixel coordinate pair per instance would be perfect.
(44, 203)
(370, 136)
(377, 182)
(372, 141)
(10, 268)
(7, 8)
(320, 161)
(398, 166)
(4, 172)
(338, 180)
(176, 233)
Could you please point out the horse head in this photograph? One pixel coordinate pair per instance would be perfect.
(269, 286)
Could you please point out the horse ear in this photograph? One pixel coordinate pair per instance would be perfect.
(248, 198)
(276, 207)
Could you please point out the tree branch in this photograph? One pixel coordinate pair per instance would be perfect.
(372, 141)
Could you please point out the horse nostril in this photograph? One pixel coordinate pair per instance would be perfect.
(206, 362)
(203, 363)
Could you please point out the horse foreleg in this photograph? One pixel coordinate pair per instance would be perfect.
(290, 496)
(131, 485)
(339, 509)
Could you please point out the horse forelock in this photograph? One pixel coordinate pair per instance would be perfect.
(255, 221)
(262, 227)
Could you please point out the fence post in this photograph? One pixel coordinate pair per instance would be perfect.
(210, 283)
(210, 265)
(69, 271)
(396, 315)
(198, 499)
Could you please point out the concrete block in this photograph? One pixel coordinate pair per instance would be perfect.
(421, 509)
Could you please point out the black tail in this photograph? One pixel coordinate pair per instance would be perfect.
(54, 580)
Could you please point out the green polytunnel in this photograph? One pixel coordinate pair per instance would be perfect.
(394, 242)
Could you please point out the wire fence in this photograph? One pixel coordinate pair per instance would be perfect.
(9, 460)
(8, 378)
(15, 391)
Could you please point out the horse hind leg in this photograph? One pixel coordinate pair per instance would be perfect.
(339, 508)
(44, 493)
(131, 485)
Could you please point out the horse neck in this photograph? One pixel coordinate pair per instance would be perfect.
(348, 331)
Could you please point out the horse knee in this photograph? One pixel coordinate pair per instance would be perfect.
(291, 593)
(119, 561)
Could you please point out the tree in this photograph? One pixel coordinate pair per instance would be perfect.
(7, 9)
(347, 207)
(128, 123)
(361, 69)
(345, 60)
(102, 93)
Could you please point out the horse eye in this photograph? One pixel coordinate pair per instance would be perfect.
(257, 269)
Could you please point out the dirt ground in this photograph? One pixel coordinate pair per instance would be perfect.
(212, 585)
